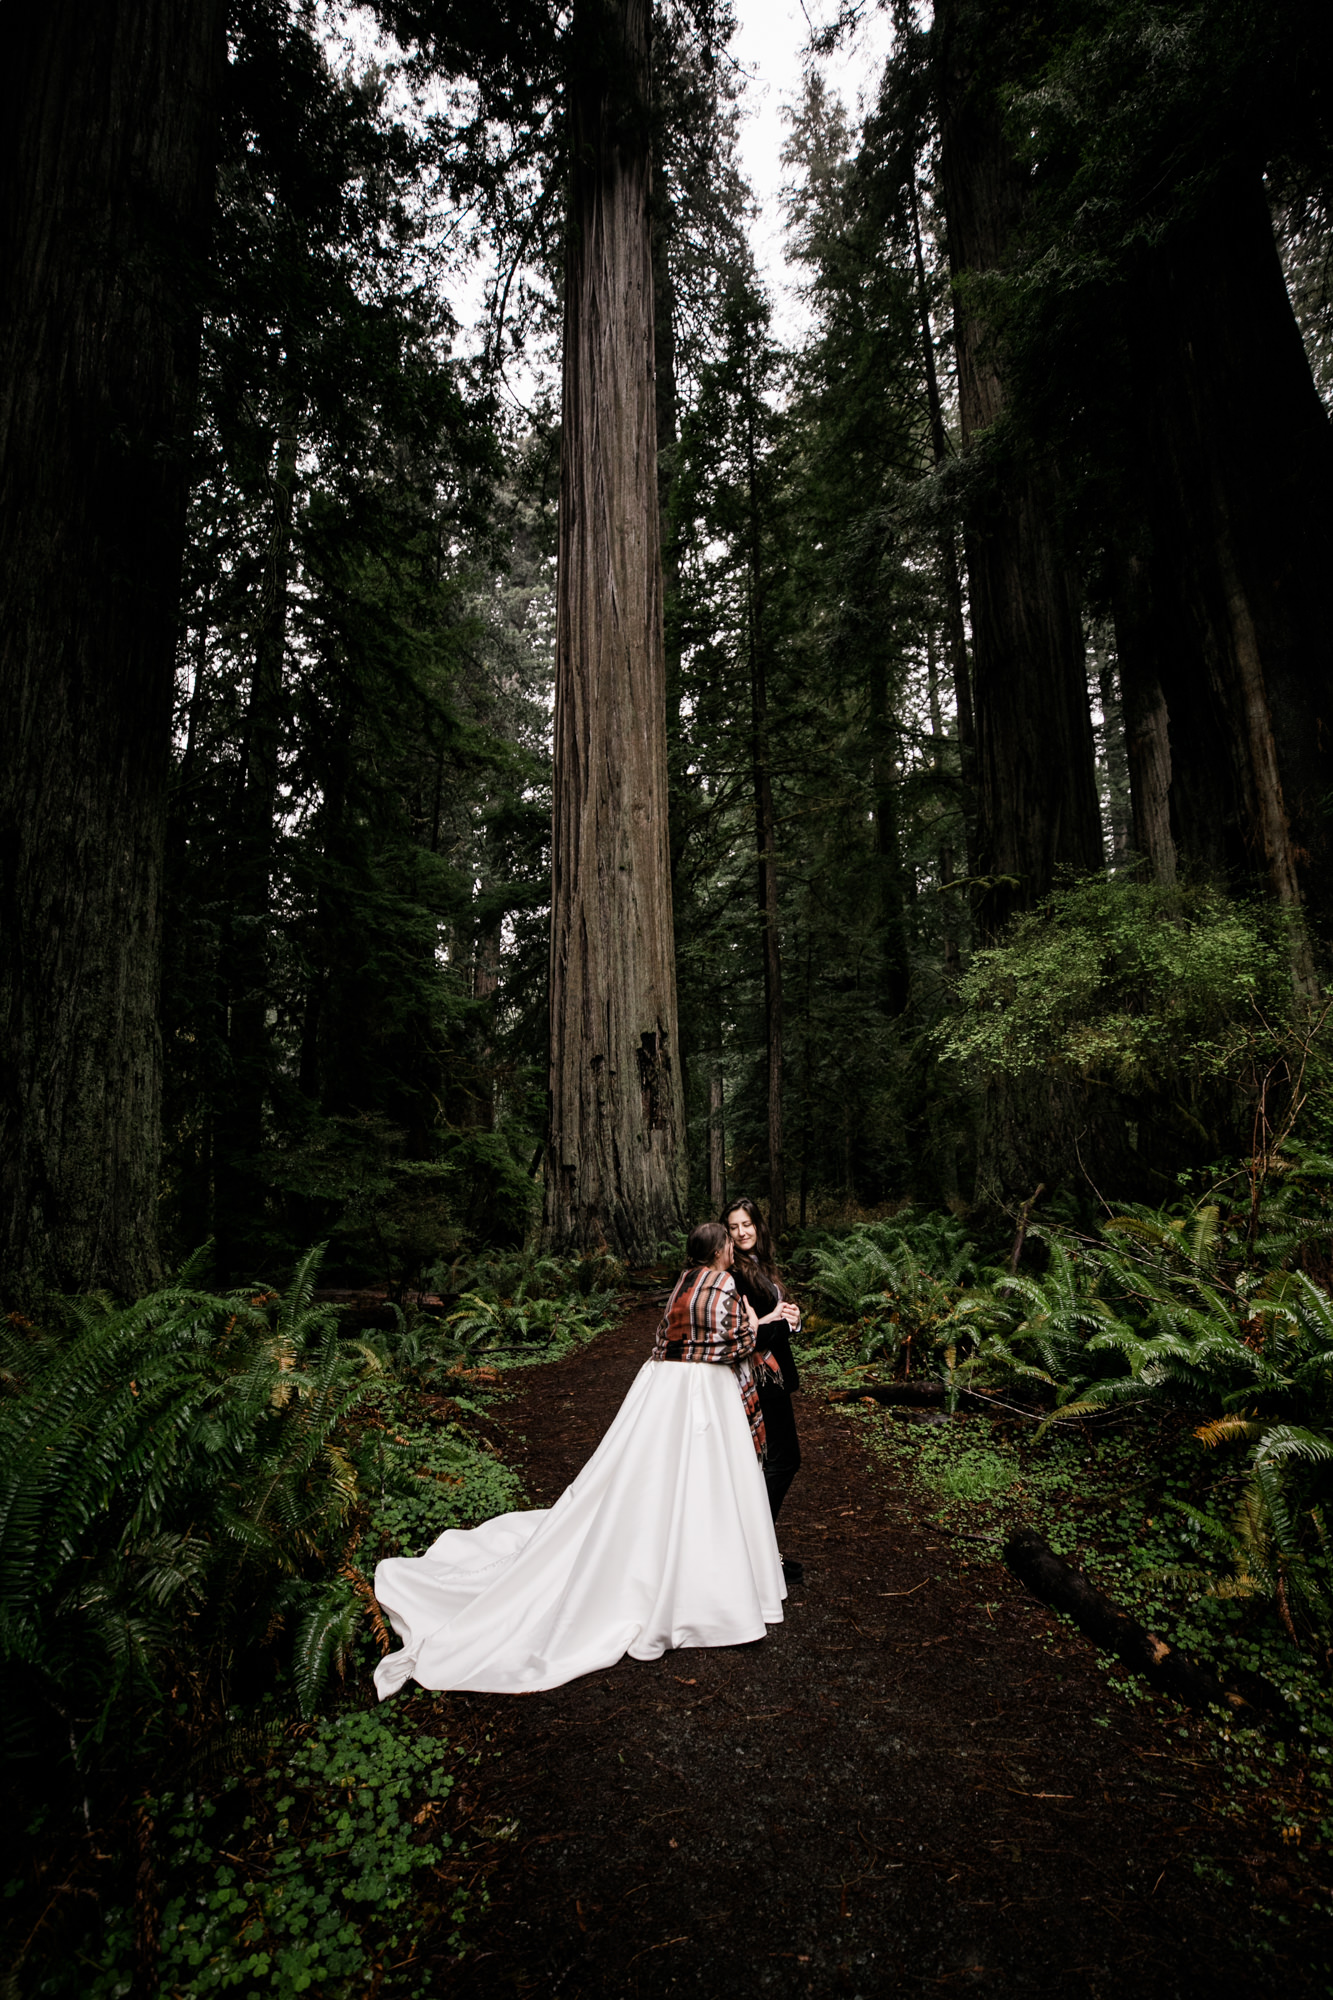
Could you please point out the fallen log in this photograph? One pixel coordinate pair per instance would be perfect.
(908, 1395)
(928, 1395)
(1057, 1583)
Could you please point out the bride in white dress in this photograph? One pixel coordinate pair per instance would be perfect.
(664, 1539)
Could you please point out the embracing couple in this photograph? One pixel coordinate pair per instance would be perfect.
(665, 1539)
(730, 1290)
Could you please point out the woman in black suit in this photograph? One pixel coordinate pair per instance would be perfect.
(756, 1278)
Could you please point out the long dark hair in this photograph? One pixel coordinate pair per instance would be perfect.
(760, 1259)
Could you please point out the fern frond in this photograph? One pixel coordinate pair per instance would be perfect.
(1286, 1441)
(1226, 1430)
(323, 1643)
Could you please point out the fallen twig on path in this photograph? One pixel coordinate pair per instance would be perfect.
(961, 1534)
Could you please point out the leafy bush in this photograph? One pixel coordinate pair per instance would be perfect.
(176, 1479)
(1188, 1310)
(526, 1274)
(489, 1326)
(1024, 1328)
(1137, 985)
(1213, 1311)
(433, 1478)
(524, 1306)
(392, 1217)
(1253, 1346)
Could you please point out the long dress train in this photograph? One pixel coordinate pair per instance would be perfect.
(663, 1540)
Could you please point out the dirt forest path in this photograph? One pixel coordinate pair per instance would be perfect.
(901, 1789)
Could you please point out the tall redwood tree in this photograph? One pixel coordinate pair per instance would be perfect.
(107, 117)
(1221, 595)
(1037, 805)
(615, 1164)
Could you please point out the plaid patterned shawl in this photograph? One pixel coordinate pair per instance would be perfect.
(705, 1321)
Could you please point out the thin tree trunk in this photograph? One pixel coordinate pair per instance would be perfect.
(766, 850)
(888, 847)
(806, 1094)
(616, 1158)
(106, 168)
(952, 961)
(480, 1110)
(717, 1147)
(1143, 711)
(1036, 771)
(1116, 758)
(239, 1124)
(955, 629)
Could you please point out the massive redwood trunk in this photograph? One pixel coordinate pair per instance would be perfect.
(1036, 767)
(615, 1163)
(1221, 607)
(106, 130)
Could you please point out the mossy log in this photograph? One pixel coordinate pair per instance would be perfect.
(910, 1395)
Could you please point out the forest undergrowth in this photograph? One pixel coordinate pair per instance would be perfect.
(1152, 1397)
(196, 1490)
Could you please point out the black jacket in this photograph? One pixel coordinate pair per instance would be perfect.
(763, 1295)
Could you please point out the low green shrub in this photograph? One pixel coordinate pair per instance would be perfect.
(1143, 987)
(176, 1482)
(194, 1493)
(310, 1875)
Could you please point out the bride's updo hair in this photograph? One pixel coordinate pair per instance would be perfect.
(705, 1244)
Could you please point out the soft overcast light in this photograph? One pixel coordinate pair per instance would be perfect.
(770, 44)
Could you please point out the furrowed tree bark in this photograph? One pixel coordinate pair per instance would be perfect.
(668, 440)
(1224, 621)
(766, 848)
(616, 1158)
(107, 121)
(1036, 769)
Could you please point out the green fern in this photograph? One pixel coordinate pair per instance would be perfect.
(323, 1642)
(175, 1477)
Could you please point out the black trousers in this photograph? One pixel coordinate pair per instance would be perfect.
(784, 1451)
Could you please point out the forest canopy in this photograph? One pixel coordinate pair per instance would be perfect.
(984, 626)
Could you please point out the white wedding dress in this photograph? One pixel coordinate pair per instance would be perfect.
(663, 1540)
